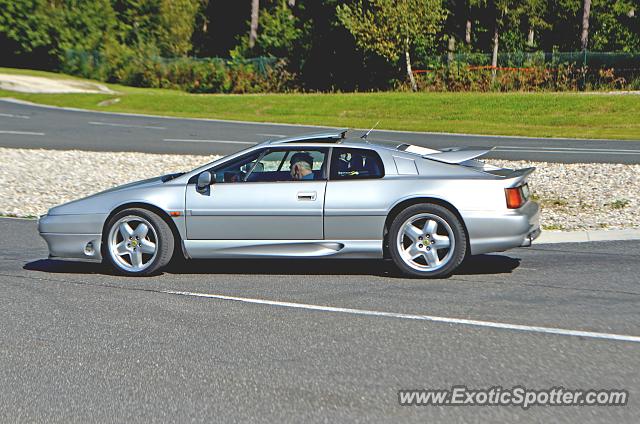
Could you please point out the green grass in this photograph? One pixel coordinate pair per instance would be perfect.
(553, 227)
(574, 115)
(619, 204)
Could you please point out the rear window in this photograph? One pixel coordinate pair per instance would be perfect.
(352, 164)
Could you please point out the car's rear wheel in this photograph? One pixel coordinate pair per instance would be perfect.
(427, 240)
(138, 242)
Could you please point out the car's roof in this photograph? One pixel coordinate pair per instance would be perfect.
(330, 138)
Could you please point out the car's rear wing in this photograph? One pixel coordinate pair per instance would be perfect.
(518, 176)
(457, 155)
(514, 177)
(466, 156)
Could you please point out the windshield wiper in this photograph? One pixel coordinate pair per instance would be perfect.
(170, 177)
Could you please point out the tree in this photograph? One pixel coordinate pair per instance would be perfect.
(535, 12)
(497, 11)
(391, 28)
(23, 23)
(177, 19)
(502, 13)
(279, 32)
(48, 29)
(584, 37)
(87, 25)
(457, 25)
(615, 26)
(562, 34)
(253, 30)
(165, 25)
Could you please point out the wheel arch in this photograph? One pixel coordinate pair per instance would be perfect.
(403, 204)
(177, 238)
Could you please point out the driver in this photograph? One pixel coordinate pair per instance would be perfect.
(301, 166)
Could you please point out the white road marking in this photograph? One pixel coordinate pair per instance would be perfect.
(569, 150)
(21, 132)
(9, 115)
(187, 140)
(459, 321)
(111, 124)
(581, 149)
(269, 123)
(578, 152)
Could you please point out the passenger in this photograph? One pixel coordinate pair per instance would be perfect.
(302, 167)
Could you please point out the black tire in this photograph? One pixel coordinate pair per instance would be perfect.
(453, 258)
(163, 236)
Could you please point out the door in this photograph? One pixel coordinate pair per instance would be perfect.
(273, 194)
(355, 202)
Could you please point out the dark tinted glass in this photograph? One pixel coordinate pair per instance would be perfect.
(347, 164)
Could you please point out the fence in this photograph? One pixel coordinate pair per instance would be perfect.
(197, 75)
(84, 62)
(589, 69)
(515, 71)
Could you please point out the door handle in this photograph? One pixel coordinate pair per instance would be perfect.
(307, 195)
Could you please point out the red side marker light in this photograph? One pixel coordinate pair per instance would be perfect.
(175, 213)
(514, 197)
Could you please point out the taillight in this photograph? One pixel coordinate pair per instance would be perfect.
(515, 199)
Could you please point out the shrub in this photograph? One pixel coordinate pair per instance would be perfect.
(143, 67)
(533, 78)
(211, 75)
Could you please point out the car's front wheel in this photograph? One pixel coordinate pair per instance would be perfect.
(137, 242)
(427, 240)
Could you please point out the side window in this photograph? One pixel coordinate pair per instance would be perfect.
(352, 164)
(270, 165)
(306, 164)
(236, 171)
(266, 166)
(288, 165)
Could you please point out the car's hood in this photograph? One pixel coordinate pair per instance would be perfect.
(134, 184)
(69, 207)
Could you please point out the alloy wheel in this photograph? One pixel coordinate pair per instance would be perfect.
(426, 242)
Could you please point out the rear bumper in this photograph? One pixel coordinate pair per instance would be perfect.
(73, 236)
(496, 232)
(528, 241)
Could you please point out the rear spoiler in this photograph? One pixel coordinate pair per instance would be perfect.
(513, 176)
(521, 173)
(518, 176)
(458, 155)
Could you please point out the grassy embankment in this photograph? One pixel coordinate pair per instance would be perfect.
(580, 115)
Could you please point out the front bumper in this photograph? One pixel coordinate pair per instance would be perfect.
(73, 236)
(497, 232)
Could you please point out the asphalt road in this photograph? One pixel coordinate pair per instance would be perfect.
(80, 345)
(30, 126)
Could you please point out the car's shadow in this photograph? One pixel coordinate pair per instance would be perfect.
(473, 265)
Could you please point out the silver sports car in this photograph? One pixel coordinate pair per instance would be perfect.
(317, 195)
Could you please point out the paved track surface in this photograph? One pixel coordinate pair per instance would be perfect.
(30, 126)
(80, 345)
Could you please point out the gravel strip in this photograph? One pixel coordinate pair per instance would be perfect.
(573, 196)
(32, 84)
(32, 181)
(584, 195)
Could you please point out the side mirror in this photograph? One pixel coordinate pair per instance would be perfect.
(204, 181)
